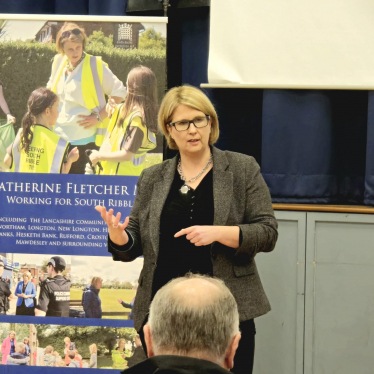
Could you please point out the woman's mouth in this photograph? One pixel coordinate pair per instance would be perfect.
(193, 141)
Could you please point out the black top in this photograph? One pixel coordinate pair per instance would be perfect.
(54, 298)
(178, 256)
(175, 365)
(4, 294)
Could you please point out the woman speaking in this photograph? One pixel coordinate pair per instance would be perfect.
(81, 82)
(26, 294)
(205, 211)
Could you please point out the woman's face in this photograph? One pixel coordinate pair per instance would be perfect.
(121, 344)
(73, 51)
(194, 140)
(99, 284)
(12, 336)
(25, 341)
(25, 278)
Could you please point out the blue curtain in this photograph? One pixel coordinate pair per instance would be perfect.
(313, 146)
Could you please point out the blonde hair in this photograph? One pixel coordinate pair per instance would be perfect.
(28, 274)
(80, 38)
(48, 349)
(95, 281)
(12, 332)
(20, 348)
(192, 97)
(28, 340)
(121, 340)
(93, 348)
(61, 364)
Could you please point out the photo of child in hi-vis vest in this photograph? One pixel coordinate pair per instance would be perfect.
(81, 82)
(36, 148)
(132, 129)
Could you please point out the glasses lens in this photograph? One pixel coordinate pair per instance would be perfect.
(200, 121)
(76, 31)
(181, 125)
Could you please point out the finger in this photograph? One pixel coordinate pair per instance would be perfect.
(116, 220)
(193, 240)
(82, 116)
(102, 210)
(183, 232)
(123, 225)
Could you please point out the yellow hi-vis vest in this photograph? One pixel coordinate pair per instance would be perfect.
(117, 139)
(92, 87)
(45, 155)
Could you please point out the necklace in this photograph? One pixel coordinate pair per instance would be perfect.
(185, 188)
(70, 68)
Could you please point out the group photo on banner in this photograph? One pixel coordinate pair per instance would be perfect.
(78, 97)
(91, 104)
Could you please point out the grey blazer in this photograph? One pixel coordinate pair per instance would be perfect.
(241, 198)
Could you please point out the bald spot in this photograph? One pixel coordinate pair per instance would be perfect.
(195, 292)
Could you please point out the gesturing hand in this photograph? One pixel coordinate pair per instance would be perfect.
(200, 235)
(116, 229)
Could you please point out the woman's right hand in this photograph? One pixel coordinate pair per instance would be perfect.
(119, 300)
(116, 229)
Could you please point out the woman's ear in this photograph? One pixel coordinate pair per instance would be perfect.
(47, 112)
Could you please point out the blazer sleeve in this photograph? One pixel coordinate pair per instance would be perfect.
(33, 290)
(259, 229)
(133, 249)
(18, 289)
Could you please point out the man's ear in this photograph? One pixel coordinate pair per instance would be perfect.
(148, 340)
(229, 359)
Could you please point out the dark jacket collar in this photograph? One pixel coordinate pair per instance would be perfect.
(175, 364)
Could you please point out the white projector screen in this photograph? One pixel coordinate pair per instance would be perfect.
(292, 44)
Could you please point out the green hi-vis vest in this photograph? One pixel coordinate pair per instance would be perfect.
(117, 139)
(45, 154)
(92, 87)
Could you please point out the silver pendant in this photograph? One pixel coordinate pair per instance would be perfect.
(184, 189)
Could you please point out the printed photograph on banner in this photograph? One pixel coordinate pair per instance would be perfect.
(81, 97)
(35, 285)
(70, 346)
(103, 288)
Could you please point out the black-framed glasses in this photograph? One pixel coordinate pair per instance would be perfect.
(67, 33)
(199, 122)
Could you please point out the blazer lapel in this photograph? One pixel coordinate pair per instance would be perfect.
(160, 192)
(222, 187)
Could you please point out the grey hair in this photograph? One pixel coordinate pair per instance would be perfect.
(180, 327)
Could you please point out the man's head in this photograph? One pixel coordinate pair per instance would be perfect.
(194, 316)
(2, 267)
(20, 348)
(56, 265)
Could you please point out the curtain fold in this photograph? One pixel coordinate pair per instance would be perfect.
(314, 145)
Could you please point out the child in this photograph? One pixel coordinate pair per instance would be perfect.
(37, 149)
(132, 129)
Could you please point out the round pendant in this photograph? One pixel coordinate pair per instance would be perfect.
(184, 189)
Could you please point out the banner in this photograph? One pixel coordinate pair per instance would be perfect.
(79, 99)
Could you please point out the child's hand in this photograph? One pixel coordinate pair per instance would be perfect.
(110, 107)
